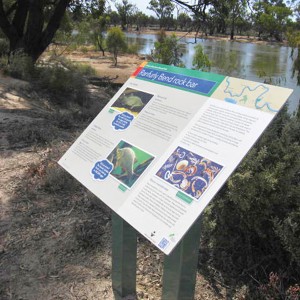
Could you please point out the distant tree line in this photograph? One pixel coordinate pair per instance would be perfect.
(30, 25)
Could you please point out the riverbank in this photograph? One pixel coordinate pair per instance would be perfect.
(127, 63)
(219, 37)
(244, 58)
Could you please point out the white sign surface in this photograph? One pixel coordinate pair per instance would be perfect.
(166, 142)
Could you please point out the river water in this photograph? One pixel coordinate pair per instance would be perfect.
(244, 60)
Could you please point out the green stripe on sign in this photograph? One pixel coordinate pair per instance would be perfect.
(122, 187)
(184, 197)
(175, 73)
(188, 72)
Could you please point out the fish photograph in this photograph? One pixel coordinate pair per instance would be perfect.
(129, 163)
(189, 172)
(132, 101)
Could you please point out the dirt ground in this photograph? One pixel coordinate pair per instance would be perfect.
(104, 66)
(55, 236)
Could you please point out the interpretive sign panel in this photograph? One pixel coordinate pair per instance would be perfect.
(166, 142)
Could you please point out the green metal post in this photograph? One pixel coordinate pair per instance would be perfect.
(124, 257)
(180, 267)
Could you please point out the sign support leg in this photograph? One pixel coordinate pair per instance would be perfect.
(180, 267)
(124, 257)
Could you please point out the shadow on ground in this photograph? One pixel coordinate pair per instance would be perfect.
(54, 234)
(54, 244)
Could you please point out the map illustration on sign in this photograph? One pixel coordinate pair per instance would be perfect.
(189, 172)
(129, 163)
(250, 94)
(132, 101)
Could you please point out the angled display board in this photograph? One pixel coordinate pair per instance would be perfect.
(166, 142)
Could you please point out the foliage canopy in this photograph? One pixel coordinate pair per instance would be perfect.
(115, 42)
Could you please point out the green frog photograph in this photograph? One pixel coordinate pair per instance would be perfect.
(132, 101)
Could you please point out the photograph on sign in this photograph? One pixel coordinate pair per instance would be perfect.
(249, 94)
(129, 163)
(189, 172)
(132, 101)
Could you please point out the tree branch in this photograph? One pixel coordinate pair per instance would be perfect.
(20, 16)
(195, 8)
(35, 23)
(11, 9)
(54, 22)
(5, 25)
(184, 4)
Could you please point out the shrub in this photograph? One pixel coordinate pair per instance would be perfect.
(56, 179)
(200, 59)
(64, 81)
(4, 47)
(89, 234)
(252, 227)
(115, 42)
(39, 133)
(84, 69)
(274, 289)
(20, 66)
(84, 49)
(64, 120)
(133, 49)
(167, 50)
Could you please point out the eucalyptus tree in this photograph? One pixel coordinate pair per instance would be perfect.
(219, 14)
(216, 13)
(237, 11)
(125, 10)
(114, 18)
(167, 50)
(297, 15)
(200, 59)
(93, 8)
(141, 19)
(116, 42)
(293, 37)
(199, 9)
(30, 25)
(99, 32)
(163, 10)
(271, 17)
(184, 21)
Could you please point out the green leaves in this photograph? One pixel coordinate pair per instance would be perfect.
(256, 216)
(167, 50)
(163, 10)
(115, 41)
(200, 60)
(272, 18)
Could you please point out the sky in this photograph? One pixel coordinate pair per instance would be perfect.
(140, 4)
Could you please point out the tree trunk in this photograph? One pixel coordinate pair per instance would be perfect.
(27, 31)
(232, 30)
(102, 50)
(232, 34)
(116, 57)
(99, 43)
